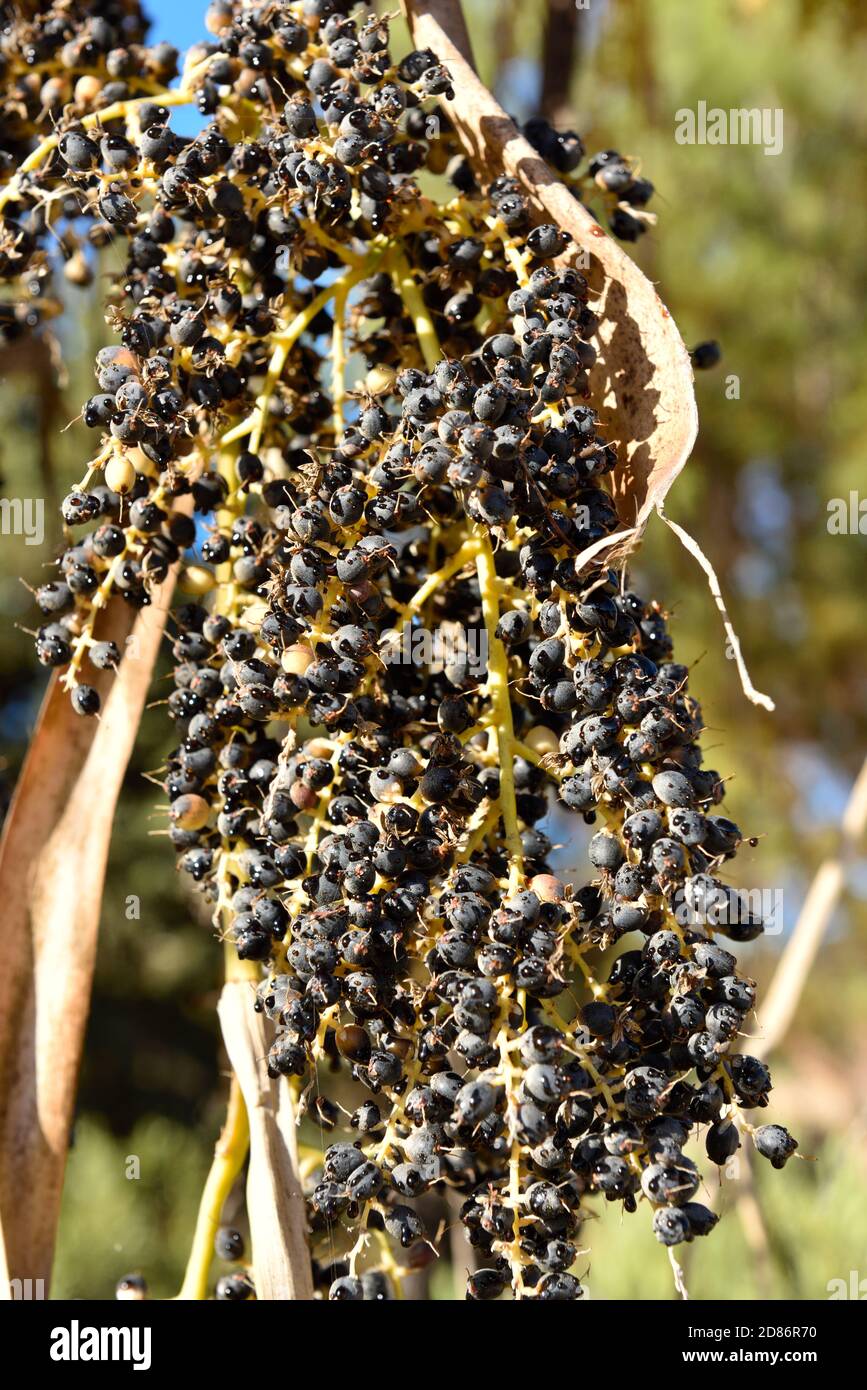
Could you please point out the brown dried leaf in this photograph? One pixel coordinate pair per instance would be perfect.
(52, 868)
(275, 1203)
(5, 1286)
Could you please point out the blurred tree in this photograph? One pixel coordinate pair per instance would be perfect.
(565, 24)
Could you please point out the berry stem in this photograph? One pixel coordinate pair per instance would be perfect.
(498, 676)
(463, 556)
(498, 692)
(254, 424)
(338, 359)
(514, 1253)
(229, 1155)
(417, 309)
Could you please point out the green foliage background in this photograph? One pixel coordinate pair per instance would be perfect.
(765, 254)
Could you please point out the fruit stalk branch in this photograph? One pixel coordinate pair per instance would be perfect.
(498, 691)
(229, 1155)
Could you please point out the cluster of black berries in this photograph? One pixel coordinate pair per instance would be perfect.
(224, 240)
(360, 419)
(59, 62)
(625, 192)
(60, 58)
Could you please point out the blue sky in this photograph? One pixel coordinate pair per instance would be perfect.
(181, 22)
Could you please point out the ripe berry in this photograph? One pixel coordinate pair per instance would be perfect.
(774, 1143)
(229, 1244)
(85, 700)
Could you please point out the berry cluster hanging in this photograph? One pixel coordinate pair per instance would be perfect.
(347, 389)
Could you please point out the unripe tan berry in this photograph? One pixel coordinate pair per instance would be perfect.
(542, 739)
(190, 812)
(119, 474)
(296, 659)
(197, 579)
